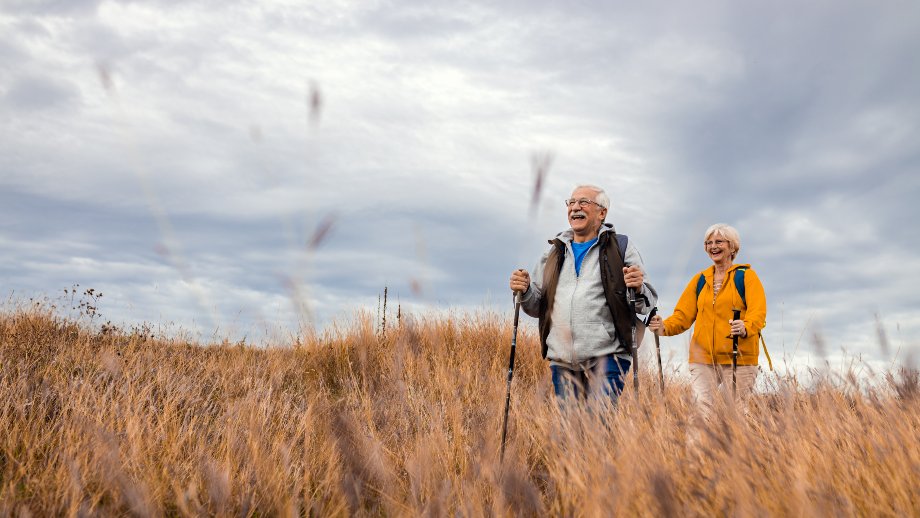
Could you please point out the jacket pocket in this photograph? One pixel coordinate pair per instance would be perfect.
(610, 329)
(596, 336)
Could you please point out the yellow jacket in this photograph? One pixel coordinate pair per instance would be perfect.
(711, 342)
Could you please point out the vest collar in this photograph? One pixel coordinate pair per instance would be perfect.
(567, 235)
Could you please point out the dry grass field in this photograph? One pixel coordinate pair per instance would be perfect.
(102, 421)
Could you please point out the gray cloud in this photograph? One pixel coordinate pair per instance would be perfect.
(50, 7)
(32, 93)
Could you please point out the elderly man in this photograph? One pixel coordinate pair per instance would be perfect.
(579, 294)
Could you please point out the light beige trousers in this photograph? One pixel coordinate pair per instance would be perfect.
(712, 381)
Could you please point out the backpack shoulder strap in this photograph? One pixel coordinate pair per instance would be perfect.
(739, 284)
(622, 242)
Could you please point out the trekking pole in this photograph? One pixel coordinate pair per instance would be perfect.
(736, 314)
(517, 311)
(658, 350)
(631, 298)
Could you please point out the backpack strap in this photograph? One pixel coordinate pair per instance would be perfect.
(622, 242)
(739, 284)
(765, 351)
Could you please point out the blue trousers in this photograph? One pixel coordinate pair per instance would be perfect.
(607, 378)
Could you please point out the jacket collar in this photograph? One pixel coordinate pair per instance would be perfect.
(711, 271)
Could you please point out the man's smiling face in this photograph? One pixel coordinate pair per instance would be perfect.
(585, 218)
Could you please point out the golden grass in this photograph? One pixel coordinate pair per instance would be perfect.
(117, 422)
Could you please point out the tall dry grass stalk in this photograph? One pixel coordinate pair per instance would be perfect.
(115, 422)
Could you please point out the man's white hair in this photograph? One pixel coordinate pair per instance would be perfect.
(600, 197)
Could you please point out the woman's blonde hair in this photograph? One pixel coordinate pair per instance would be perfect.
(728, 232)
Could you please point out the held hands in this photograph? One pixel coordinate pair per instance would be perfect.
(738, 328)
(633, 277)
(520, 280)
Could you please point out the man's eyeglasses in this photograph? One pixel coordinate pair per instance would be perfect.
(582, 202)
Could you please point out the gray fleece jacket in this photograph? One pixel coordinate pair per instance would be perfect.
(582, 326)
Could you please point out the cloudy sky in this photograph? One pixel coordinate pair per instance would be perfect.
(234, 168)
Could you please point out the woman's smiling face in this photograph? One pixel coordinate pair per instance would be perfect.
(719, 248)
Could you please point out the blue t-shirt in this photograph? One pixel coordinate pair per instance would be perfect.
(580, 250)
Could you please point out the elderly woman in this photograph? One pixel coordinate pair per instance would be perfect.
(709, 300)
